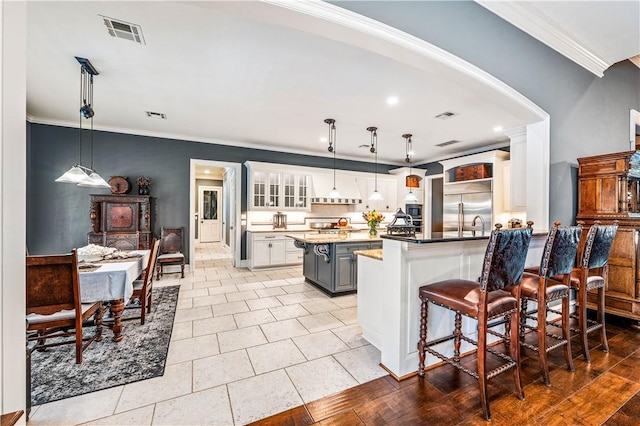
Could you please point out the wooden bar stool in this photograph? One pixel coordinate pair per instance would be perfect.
(497, 294)
(558, 261)
(592, 273)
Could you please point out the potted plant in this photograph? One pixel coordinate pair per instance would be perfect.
(144, 184)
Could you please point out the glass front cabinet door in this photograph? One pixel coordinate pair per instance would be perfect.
(296, 191)
(267, 189)
(259, 185)
(280, 190)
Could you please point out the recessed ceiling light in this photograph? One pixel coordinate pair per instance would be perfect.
(392, 100)
(206, 172)
(497, 129)
(323, 139)
(446, 115)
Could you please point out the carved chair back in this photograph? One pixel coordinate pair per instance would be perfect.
(597, 246)
(505, 257)
(171, 240)
(560, 250)
(52, 283)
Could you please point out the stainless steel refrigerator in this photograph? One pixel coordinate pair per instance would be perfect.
(467, 209)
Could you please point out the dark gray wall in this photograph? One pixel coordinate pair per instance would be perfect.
(58, 214)
(589, 115)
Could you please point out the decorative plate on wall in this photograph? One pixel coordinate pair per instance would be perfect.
(120, 185)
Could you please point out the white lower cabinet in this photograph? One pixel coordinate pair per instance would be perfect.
(272, 250)
(295, 256)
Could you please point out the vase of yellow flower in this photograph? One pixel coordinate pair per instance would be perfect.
(373, 219)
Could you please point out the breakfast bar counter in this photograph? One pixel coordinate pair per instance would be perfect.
(388, 302)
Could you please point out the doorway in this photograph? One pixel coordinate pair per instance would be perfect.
(218, 176)
(209, 214)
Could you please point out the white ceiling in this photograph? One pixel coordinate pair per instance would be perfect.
(594, 34)
(258, 75)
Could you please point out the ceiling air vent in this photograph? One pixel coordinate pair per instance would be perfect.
(126, 30)
(446, 115)
(451, 142)
(160, 115)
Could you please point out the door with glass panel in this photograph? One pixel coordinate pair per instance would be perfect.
(210, 203)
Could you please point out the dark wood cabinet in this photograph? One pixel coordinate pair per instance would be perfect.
(119, 218)
(608, 190)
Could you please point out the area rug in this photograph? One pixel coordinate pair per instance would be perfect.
(140, 355)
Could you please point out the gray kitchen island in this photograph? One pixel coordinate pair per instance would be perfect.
(329, 260)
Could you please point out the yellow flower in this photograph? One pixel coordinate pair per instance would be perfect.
(373, 217)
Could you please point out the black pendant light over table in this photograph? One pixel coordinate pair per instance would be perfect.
(79, 174)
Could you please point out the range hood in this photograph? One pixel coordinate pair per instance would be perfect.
(346, 185)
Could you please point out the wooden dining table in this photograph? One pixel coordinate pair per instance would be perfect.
(112, 281)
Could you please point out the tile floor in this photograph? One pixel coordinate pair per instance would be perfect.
(245, 345)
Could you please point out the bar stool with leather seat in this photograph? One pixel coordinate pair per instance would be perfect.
(495, 295)
(558, 260)
(592, 273)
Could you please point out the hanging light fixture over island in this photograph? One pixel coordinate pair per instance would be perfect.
(375, 195)
(334, 193)
(411, 181)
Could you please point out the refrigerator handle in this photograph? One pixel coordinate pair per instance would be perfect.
(460, 219)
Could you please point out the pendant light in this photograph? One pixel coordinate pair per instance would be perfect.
(79, 174)
(334, 193)
(375, 195)
(410, 179)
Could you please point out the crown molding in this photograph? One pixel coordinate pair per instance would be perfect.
(191, 138)
(528, 18)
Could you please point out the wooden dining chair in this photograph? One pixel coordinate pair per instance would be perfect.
(143, 289)
(171, 247)
(496, 295)
(53, 306)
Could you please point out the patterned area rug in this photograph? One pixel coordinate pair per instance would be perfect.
(140, 355)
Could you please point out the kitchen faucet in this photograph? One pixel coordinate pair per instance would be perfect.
(473, 224)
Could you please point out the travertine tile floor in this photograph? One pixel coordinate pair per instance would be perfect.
(245, 345)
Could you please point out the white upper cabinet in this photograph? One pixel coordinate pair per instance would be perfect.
(265, 189)
(284, 189)
(296, 189)
(387, 187)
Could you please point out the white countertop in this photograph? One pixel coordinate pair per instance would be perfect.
(341, 237)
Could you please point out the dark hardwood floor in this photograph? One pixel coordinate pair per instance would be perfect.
(605, 392)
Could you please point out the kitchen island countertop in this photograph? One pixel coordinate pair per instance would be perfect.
(373, 253)
(346, 237)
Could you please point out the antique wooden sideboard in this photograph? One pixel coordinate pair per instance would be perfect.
(608, 190)
(120, 217)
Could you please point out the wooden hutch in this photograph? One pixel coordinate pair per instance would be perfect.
(608, 190)
(120, 216)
